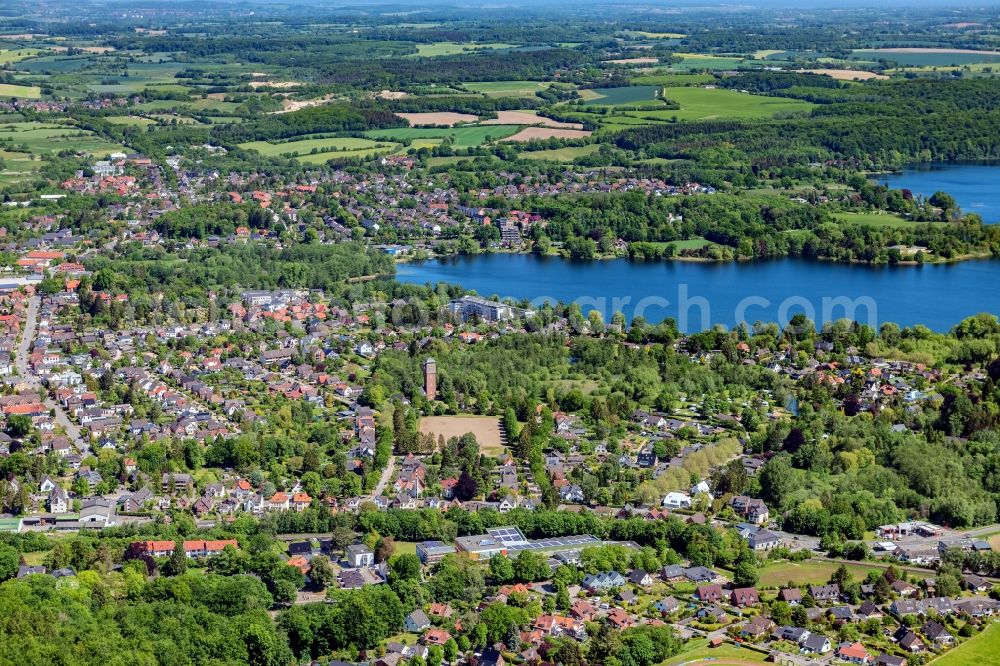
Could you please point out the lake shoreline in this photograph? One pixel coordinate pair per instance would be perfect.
(939, 295)
(934, 261)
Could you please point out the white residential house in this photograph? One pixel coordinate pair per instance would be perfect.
(676, 500)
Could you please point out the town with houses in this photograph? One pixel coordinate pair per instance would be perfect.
(87, 405)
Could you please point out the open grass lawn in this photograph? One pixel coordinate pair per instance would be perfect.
(709, 103)
(10, 90)
(402, 547)
(507, 88)
(464, 137)
(448, 161)
(727, 654)
(803, 573)
(689, 244)
(454, 48)
(626, 95)
(982, 650)
(561, 154)
(874, 219)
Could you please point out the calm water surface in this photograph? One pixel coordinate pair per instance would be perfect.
(703, 294)
(975, 186)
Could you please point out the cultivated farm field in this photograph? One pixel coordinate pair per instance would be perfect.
(327, 149)
(535, 133)
(627, 95)
(507, 88)
(707, 103)
(464, 137)
(439, 118)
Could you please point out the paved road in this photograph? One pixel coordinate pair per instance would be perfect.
(386, 476)
(27, 338)
(25, 375)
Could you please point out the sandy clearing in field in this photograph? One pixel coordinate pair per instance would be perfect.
(525, 118)
(275, 84)
(844, 74)
(485, 428)
(289, 105)
(437, 119)
(532, 133)
(24, 35)
(921, 50)
(219, 97)
(392, 94)
(633, 61)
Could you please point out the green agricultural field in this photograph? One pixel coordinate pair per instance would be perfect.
(17, 166)
(625, 96)
(438, 49)
(930, 58)
(9, 90)
(41, 138)
(660, 35)
(163, 105)
(132, 121)
(507, 88)
(209, 104)
(173, 119)
(8, 56)
(561, 155)
(464, 137)
(873, 219)
(709, 103)
(666, 79)
(304, 146)
(700, 61)
(53, 63)
(983, 650)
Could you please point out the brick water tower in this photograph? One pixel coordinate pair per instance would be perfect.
(430, 378)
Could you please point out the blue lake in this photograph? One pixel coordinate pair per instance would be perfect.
(975, 186)
(698, 295)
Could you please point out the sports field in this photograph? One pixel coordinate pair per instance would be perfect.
(485, 428)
